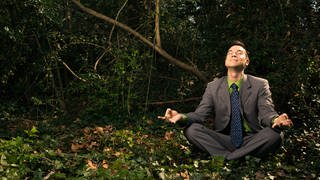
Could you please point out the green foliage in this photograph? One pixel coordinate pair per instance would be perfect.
(306, 100)
(140, 152)
(18, 156)
(41, 38)
(116, 92)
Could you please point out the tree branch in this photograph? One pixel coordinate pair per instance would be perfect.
(158, 49)
(72, 72)
(157, 23)
(175, 101)
(116, 19)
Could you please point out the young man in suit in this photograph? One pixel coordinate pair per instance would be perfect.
(245, 121)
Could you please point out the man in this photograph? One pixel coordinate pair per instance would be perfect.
(245, 122)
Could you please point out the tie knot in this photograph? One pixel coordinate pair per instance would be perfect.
(234, 86)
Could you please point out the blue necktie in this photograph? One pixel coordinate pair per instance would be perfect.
(236, 124)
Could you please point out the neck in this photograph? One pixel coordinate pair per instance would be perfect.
(235, 75)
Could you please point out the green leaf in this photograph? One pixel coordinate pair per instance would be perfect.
(3, 160)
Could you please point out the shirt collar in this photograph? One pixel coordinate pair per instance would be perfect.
(238, 83)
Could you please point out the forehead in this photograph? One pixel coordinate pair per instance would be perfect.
(236, 48)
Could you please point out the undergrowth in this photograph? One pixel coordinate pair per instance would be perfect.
(142, 149)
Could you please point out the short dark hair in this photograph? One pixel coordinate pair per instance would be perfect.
(238, 43)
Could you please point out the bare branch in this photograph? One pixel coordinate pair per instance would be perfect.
(109, 41)
(98, 61)
(157, 23)
(72, 72)
(111, 32)
(175, 101)
(158, 49)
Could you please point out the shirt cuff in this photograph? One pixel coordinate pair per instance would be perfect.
(183, 122)
(184, 116)
(273, 119)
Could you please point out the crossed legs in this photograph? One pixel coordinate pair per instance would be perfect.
(217, 144)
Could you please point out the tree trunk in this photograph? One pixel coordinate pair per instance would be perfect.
(157, 23)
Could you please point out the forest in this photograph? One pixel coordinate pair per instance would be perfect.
(83, 81)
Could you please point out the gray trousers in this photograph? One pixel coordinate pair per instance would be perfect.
(257, 144)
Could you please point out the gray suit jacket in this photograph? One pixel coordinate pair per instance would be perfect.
(256, 103)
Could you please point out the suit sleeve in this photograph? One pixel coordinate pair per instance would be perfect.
(205, 107)
(266, 111)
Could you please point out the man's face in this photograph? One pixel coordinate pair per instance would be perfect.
(237, 57)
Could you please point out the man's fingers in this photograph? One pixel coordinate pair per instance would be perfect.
(162, 117)
(285, 115)
(287, 122)
(167, 115)
(168, 112)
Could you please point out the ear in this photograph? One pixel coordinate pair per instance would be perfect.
(247, 62)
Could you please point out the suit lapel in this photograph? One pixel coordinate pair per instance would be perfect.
(245, 91)
(224, 94)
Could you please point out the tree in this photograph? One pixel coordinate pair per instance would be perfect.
(157, 48)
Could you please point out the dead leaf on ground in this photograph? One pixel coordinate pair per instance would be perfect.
(185, 175)
(98, 130)
(108, 128)
(86, 130)
(59, 152)
(107, 149)
(91, 165)
(92, 144)
(168, 135)
(75, 147)
(105, 164)
(144, 136)
(117, 154)
(281, 173)
(259, 175)
(184, 148)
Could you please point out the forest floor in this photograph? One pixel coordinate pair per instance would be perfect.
(144, 148)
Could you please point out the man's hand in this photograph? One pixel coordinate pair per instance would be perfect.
(282, 120)
(171, 116)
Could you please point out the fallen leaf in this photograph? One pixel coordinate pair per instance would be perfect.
(117, 154)
(99, 130)
(59, 152)
(259, 175)
(185, 175)
(105, 165)
(108, 128)
(86, 130)
(162, 175)
(91, 165)
(93, 144)
(107, 149)
(144, 136)
(168, 135)
(75, 147)
(281, 173)
(185, 148)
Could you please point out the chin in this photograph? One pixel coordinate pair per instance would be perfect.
(238, 67)
(233, 65)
